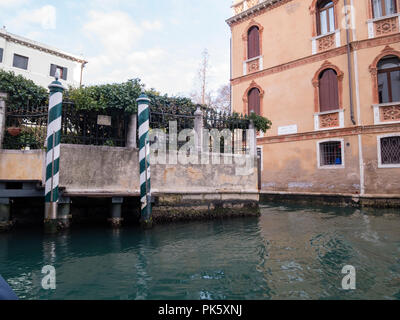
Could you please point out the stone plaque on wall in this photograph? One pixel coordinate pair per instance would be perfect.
(287, 130)
(104, 120)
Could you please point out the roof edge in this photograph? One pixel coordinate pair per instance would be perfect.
(42, 47)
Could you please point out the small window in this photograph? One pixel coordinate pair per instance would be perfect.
(1, 54)
(61, 70)
(20, 62)
(330, 153)
(384, 8)
(325, 17)
(390, 151)
(389, 79)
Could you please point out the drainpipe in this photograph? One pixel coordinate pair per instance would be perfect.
(349, 65)
(230, 79)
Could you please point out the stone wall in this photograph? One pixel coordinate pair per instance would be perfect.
(21, 165)
(114, 171)
(99, 170)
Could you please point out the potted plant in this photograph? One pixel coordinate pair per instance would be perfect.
(14, 131)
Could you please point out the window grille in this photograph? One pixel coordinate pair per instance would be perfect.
(331, 153)
(390, 150)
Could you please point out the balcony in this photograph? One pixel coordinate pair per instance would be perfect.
(329, 120)
(386, 113)
(240, 6)
(252, 65)
(326, 42)
(383, 26)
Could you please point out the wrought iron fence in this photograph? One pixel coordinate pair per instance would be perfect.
(236, 124)
(25, 128)
(161, 120)
(211, 119)
(101, 128)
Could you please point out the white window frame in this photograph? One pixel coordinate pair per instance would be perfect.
(336, 166)
(379, 138)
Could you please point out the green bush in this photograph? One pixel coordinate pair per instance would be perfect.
(118, 95)
(22, 92)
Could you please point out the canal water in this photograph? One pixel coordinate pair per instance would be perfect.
(287, 253)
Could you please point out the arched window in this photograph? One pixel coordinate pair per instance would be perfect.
(254, 101)
(253, 42)
(325, 16)
(389, 79)
(328, 90)
(382, 8)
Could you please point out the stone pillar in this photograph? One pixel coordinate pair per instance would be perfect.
(198, 128)
(116, 212)
(131, 139)
(5, 221)
(252, 139)
(64, 212)
(3, 97)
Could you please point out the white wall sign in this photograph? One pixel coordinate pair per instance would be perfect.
(104, 120)
(287, 130)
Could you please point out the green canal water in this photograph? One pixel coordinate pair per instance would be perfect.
(287, 253)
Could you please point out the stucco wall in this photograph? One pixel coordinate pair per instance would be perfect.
(38, 65)
(290, 98)
(378, 180)
(293, 167)
(21, 165)
(208, 178)
(94, 169)
(106, 170)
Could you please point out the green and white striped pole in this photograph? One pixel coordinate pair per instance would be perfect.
(53, 155)
(144, 159)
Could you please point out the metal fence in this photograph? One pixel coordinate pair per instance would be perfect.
(237, 125)
(211, 119)
(25, 128)
(161, 120)
(101, 128)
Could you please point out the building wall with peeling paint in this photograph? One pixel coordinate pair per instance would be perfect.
(292, 56)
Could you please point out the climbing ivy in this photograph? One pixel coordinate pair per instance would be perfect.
(21, 92)
(260, 123)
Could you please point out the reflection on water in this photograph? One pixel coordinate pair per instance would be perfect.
(287, 253)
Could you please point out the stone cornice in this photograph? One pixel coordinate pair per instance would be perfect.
(334, 133)
(253, 11)
(35, 45)
(356, 45)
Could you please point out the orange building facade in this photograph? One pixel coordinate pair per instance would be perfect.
(332, 92)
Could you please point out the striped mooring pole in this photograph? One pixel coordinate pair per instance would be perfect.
(53, 155)
(144, 159)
